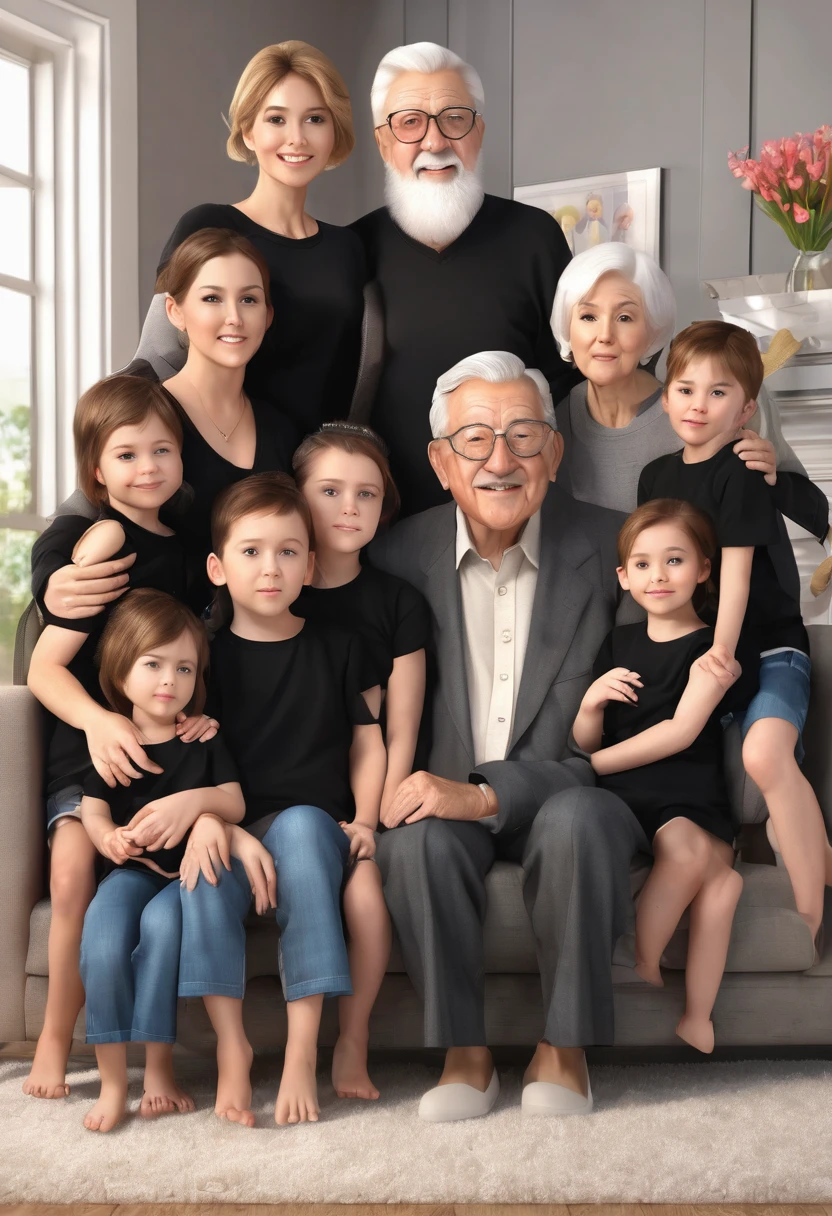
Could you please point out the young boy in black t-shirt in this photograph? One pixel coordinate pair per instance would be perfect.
(312, 763)
(714, 373)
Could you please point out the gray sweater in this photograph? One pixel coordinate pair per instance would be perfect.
(602, 464)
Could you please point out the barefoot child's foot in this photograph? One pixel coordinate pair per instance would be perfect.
(234, 1058)
(297, 1098)
(699, 1032)
(652, 974)
(109, 1109)
(350, 1078)
(162, 1096)
(48, 1076)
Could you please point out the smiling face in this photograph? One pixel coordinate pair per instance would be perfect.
(224, 311)
(663, 569)
(140, 466)
(431, 92)
(706, 406)
(345, 492)
(161, 683)
(293, 134)
(501, 493)
(609, 332)
(264, 563)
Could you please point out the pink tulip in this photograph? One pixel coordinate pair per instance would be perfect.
(801, 215)
(816, 170)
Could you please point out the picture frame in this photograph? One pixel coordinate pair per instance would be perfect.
(613, 206)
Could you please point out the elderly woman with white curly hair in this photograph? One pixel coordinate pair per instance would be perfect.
(613, 313)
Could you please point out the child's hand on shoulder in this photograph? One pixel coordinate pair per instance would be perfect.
(99, 542)
(619, 684)
(719, 663)
(200, 727)
(362, 840)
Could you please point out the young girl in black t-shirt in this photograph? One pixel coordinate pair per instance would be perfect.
(127, 441)
(651, 721)
(344, 475)
(153, 657)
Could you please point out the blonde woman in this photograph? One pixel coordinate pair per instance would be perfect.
(291, 116)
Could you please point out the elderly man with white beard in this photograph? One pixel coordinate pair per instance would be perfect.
(459, 270)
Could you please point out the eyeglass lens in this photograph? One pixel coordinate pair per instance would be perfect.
(410, 126)
(522, 438)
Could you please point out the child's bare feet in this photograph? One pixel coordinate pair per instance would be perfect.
(47, 1078)
(699, 1032)
(350, 1078)
(162, 1096)
(651, 973)
(297, 1098)
(234, 1058)
(109, 1109)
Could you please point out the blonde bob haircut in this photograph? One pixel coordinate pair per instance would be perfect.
(265, 71)
(584, 271)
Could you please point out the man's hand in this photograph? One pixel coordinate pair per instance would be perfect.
(200, 727)
(207, 849)
(115, 845)
(758, 453)
(422, 795)
(161, 823)
(362, 840)
(719, 662)
(115, 750)
(259, 867)
(618, 684)
(75, 592)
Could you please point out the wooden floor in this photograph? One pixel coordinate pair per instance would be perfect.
(412, 1209)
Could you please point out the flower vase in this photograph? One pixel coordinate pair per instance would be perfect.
(812, 271)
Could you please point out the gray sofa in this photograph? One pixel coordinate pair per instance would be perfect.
(772, 994)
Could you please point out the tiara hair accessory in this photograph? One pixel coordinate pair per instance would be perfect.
(358, 430)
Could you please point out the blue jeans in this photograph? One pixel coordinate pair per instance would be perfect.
(130, 958)
(310, 852)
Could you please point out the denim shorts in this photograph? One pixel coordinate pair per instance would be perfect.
(783, 693)
(63, 804)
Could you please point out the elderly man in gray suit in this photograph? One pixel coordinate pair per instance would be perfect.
(521, 582)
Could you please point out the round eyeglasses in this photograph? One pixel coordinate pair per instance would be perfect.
(526, 437)
(411, 126)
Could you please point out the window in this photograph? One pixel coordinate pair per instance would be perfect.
(68, 244)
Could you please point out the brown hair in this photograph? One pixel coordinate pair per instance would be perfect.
(177, 275)
(355, 440)
(141, 621)
(732, 346)
(111, 403)
(694, 523)
(260, 494)
(265, 71)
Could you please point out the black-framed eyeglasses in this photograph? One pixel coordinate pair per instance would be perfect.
(411, 126)
(526, 437)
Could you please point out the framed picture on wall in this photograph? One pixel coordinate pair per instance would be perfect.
(613, 207)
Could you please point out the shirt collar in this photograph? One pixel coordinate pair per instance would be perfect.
(529, 541)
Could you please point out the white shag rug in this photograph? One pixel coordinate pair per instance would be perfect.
(749, 1132)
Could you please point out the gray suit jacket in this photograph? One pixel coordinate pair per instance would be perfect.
(575, 606)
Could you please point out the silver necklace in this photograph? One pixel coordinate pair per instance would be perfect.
(226, 435)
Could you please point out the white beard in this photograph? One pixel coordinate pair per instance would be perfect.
(434, 213)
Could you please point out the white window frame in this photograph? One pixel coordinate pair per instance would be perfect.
(85, 137)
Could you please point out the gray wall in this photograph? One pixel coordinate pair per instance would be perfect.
(570, 90)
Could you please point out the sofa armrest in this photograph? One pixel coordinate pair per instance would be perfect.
(22, 834)
(817, 737)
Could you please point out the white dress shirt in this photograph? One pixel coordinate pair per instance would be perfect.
(496, 616)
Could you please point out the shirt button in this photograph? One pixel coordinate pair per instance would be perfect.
(501, 719)
(502, 590)
(506, 635)
(503, 675)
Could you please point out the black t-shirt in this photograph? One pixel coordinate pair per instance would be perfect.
(741, 506)
(389, 615)
(693, 779)
(207, 473)
(492, 289)
(308, 362)
(287, 711)
(187, 766)
(160, 563)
